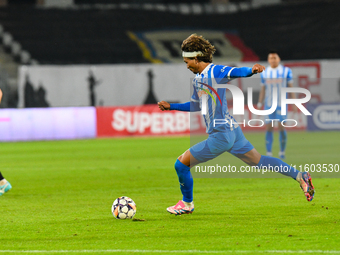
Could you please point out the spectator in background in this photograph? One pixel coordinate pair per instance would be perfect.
(40, 97)
(92, 84)
(34, 98)
(29, 93)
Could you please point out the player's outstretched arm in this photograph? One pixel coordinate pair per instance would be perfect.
(186, 107)
(238, 72)
(0, 95)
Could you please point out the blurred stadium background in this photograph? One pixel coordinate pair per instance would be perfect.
(110, 57)
(74, 70)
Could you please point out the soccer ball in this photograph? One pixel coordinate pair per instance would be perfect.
(123, 208)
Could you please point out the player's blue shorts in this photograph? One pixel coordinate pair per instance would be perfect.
(217, 143)
(275, 115)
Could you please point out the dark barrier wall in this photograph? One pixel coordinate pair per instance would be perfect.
(58, 36)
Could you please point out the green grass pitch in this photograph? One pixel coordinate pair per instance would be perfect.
(63, 191)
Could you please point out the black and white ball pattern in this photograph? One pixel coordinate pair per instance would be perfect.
(124, 208)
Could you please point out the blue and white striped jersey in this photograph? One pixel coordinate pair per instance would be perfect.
(275, 77)
(211, 75)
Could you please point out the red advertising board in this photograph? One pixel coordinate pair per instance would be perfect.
(140, 120)
(148, 120)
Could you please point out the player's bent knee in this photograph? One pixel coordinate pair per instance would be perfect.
(251, 158)
(179, 166)
(185, 158)
(181, 159)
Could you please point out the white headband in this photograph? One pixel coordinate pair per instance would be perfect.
(191, 54)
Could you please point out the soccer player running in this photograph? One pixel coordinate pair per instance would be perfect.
(4, 184)
(197, 54)
(279, 76)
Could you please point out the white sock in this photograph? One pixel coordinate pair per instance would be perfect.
(299, 177)
(190, 204)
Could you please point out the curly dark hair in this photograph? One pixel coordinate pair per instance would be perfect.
(198, 43)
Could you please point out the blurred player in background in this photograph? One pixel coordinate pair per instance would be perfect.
(279, 76)
(197, 54)
(4, 184)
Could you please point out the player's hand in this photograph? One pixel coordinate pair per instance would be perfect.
(257, 68)
(0, 95)
(164, 106)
